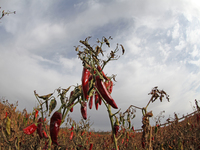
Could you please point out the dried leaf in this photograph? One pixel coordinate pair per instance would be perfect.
(77, 48)
(112, 54)
(8, 121)
(106, 41)
(149, 114)
(45, 97)
(52, 105)
(64, 91)
(99, 50)
(123, 50)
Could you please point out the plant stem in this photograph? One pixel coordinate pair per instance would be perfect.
(112, 126)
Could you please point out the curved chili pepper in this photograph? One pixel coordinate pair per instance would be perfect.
(30, 129)
(84, 110)
(104, 92)
(71, 128)
(45, 134)
(109, 85)
(91, 102)
(36, 113)
(96, 100)
(55, 126)
(100, 100)
(6, 115)
(91, 145)
(85, 82)
(39, 128)
(104, 76)
(72, 109)
(90, 77)
(71, 135)
(133, 128)
(116, 129)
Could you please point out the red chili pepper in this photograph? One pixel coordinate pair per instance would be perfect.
(104, 92)
(6, 115)
(133, 128)
(85, 82)
(55, 126)
(82, 132)
(109, 85)
(122, 141)
(84, 110)
(104, 76)
(71, 110)
(39, 128)
(45, 134)
(116, 127)
(71, 128)
(36, 113)
(30, 129)
(143, 145)
(71, 135)
(90, 78)
(96, 100)
(100, 100)
(91, 102)
(91, 145)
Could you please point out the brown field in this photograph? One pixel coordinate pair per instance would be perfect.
(177, 135)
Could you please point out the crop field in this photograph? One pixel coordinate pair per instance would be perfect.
(180, 135)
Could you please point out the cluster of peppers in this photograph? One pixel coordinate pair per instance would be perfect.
(100, 89)
(55, 123)
(33, 127)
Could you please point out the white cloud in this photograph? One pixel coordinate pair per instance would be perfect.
(133, 45)
(175, 33)
(45, 33)
(195, 62)
(195, 52)
(39, 53)
(193, 35)
(165, 51)
(181, 45)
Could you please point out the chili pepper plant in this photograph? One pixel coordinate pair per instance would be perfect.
(95, 83)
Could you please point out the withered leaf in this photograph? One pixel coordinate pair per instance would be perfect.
(149, 114)
(45, 97)
(112, 54)
(123, 50)
(106, 41)
(64, 91)
(52, 105)
(77, 48)
(8, 122)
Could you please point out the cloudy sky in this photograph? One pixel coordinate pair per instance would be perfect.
(161, 39)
